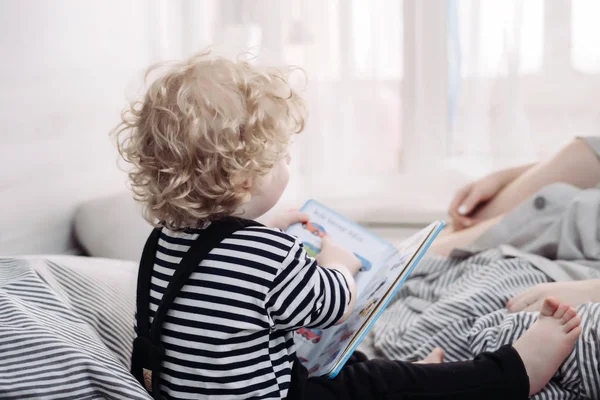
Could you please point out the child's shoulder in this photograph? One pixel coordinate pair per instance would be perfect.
(271, 236)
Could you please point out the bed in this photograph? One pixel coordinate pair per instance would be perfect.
(66, 328)
(459, 303)
(66, 321)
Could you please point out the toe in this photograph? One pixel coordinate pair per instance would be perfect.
(436, 354)
(435, 357)
(537, 306)
(550, 306)
(568, 315)
(560, 311)
(573, 325)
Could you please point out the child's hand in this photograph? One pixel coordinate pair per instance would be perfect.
(284, 219)
(332, 254)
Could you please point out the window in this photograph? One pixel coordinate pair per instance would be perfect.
(409, 98)
(352, 52)
(521, 94)
(585, 32)
(490, 29)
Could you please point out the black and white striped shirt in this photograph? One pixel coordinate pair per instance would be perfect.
(229, 333)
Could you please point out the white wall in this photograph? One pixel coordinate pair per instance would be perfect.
(65, 68)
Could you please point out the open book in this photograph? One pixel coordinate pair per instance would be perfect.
(384, 269)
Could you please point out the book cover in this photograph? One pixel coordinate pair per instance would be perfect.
(384, 269)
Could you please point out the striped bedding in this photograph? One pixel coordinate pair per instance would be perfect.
(459, 306)
(64, 334)
(66, 324)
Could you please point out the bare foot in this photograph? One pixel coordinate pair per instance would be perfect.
(548, 342)
(435, 357)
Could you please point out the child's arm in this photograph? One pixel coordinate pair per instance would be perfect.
(339, 259)
(283, 220)
(305, 294)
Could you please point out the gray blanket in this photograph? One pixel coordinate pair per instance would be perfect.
(459, 305)
(557, 230)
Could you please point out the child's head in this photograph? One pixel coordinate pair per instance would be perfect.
(209, 137)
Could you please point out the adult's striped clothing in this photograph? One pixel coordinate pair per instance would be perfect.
(459, 305)
(229, 333)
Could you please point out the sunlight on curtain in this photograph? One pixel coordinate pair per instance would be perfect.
(586, 36)
(520, 94)
(417, 93)
(499, 42)
(495, 35)
(352, 54)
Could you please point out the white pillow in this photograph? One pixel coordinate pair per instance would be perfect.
(112, 227)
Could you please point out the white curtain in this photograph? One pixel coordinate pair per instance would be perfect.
(352, 53)
(410, 98)
(526, 78)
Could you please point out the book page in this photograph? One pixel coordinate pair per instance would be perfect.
(318, 349)
(396, 271)
(324, 352)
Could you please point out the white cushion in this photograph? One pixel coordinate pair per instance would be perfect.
(112, 227)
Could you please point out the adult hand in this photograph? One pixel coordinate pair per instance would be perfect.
(572, 293)
(473, 195)
(469, 199)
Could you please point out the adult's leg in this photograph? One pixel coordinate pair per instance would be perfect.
(500, 374)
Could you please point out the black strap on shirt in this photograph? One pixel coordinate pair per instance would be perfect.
(148, 352)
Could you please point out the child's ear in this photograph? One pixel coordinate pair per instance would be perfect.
(247, 184)
(243, 180)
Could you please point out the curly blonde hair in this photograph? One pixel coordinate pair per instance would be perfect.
(203, 128)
